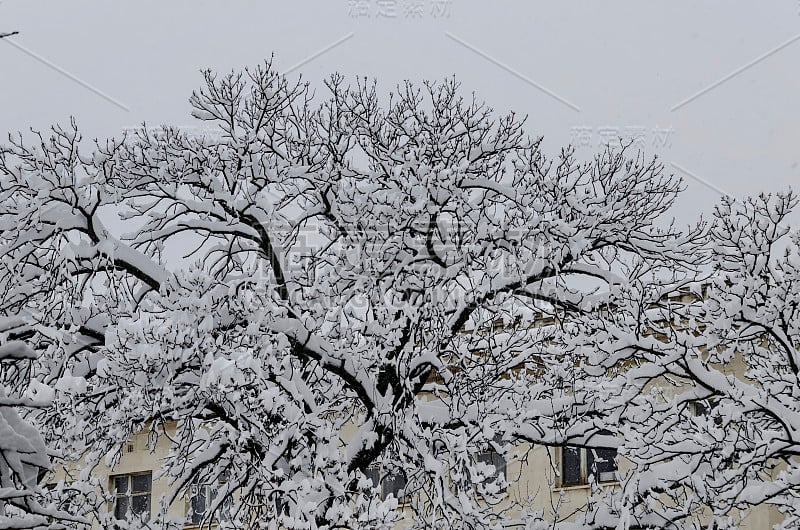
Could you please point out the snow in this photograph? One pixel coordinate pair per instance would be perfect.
(402, 304)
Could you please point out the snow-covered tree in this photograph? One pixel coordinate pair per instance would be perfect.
(23, 456)
(725, 438)
(330, 284)
(22, 450)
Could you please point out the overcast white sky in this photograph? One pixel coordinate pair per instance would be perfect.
(582, 70)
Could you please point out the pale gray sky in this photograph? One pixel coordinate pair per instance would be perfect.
(582, 70)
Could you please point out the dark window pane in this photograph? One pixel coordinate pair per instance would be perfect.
(707, 408)
(499, 463)
(602, 463)
(373, 473)
(141, 483)
(140, 505)
(495, 459)
(394, 484)
(121, 484)
(198, 504)
(121, 508)
(281, 508)
(570, 466)
(700, 408)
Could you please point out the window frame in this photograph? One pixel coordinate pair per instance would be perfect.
(488, 457)
(380, 477)
(206, 491)
(587, 459)
(706, 408)
(608, 456)
(581, 478)
(197, 491)
(129, 494)
(394, 478)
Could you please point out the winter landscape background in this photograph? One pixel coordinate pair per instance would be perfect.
(402, 307)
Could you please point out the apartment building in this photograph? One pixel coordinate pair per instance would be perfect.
(539, 478)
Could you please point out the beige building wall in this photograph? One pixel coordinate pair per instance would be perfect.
(530, 473)
(533, 483)
(137, 458)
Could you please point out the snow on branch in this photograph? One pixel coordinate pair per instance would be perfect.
(340, 285)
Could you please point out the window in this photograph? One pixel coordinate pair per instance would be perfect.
(578, 464)
(700, 408)
(373, 473)
(707, 409)
(490, 457)
(390, 483)
(394, 484)
(201, 496)
(571, 466)
(132, 495)
(602, 464)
